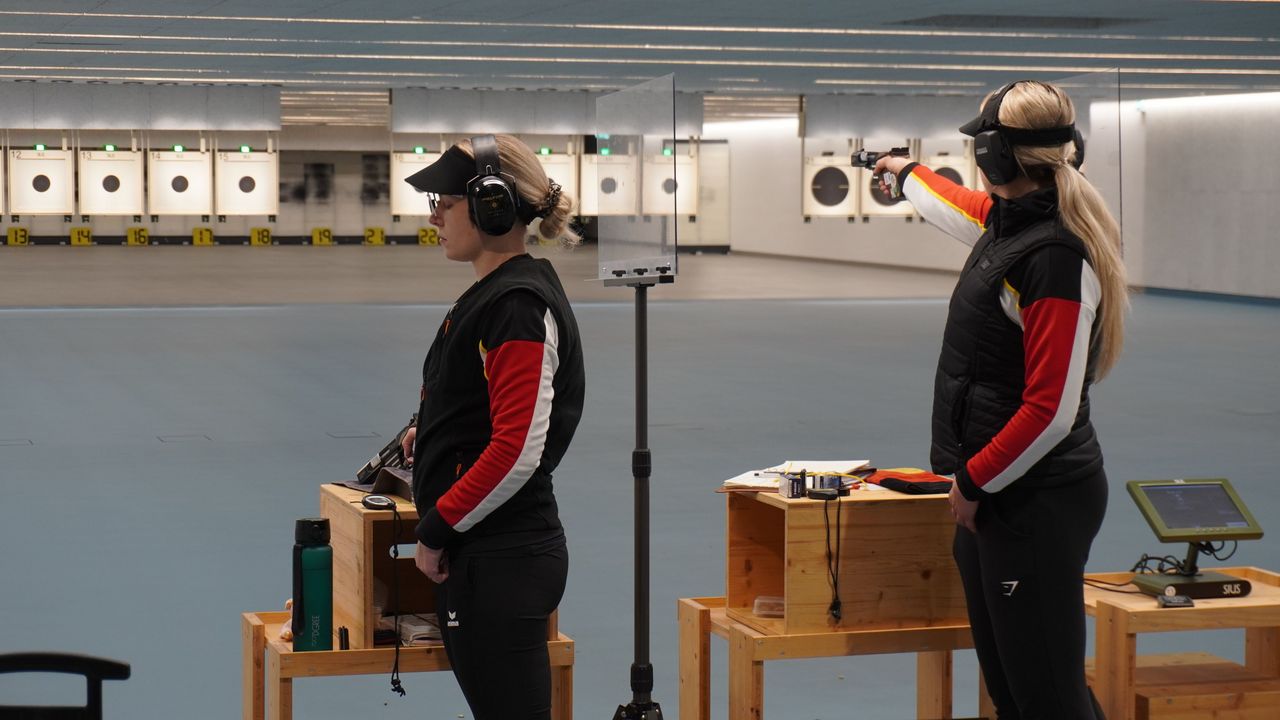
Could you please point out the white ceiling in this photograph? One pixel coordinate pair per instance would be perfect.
(749, 48)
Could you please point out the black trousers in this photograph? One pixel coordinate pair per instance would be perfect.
(1022, 574)
(493, 611)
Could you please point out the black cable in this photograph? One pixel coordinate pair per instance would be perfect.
(1111, 587)
(396, 687)
(833, 558)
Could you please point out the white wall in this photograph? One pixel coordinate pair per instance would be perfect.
(1199, 187)
(765, 195)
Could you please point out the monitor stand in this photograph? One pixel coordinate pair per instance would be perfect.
(1192, 582)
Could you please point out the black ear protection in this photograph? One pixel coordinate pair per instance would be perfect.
(993, 143)
(492, 198)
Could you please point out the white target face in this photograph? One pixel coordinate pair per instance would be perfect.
(180, 183)
(830, 186)
(110, 182)
(246, 183)
(405, 198)
(40, 182)
(609, 185)
(670, 187)
(563, 169)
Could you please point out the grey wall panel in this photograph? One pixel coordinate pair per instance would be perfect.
(116, 107)
(60, 105)
(79, 106)
(417, 110)
(17, 106)
(847, 116)
(249, 108)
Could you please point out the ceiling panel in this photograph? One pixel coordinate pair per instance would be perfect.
(750, 48)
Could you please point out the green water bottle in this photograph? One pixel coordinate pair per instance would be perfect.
(312, 586)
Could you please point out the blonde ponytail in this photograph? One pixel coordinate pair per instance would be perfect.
(1085, 214)
(1032, 104)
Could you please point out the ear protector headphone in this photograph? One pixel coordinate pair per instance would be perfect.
(492, 197)
(993, 143)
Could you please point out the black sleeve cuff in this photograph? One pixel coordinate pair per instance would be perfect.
(967, 488)
(434, 532)
(907, 171)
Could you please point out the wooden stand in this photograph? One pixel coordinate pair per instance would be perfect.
(1186, 685)
(362, 568)
(896, 568)
(749, 649)
(270, 662)
(898, 585)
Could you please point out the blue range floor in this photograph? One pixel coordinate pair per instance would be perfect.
(153, 462)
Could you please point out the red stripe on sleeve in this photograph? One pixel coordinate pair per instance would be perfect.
(514, 369)
(1049, 338)
(975, 204)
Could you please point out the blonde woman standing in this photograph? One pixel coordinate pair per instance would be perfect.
(502, 393)
(1036, 318)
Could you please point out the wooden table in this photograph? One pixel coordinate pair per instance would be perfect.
(270, 662)
(898, 586)
(749, 649)
(1186, 685)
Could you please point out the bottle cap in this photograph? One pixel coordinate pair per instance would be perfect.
(311, 531)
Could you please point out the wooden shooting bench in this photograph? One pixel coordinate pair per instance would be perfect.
(898, 585)
(361, 540)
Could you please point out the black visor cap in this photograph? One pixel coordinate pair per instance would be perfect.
(974, 126)
(448, 175)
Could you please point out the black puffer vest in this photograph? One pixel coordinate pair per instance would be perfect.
(981, 370)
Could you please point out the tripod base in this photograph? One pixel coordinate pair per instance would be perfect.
(639, 711)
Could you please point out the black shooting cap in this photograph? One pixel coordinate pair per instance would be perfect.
(448, 175)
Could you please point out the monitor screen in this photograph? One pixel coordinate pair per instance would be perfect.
(1194, 510)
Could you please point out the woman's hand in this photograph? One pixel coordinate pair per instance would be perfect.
(432, 563)
(963, 509)
(893, 164)
(406, 444)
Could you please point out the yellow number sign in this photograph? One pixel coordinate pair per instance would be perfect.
(19, 236)
(375, 236)
(321, 236)
(202, 236)
(260, 237)
(138, 236)
(428, 236)
(81, 236)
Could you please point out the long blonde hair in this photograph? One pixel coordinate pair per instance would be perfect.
(534, 187)
(1032, 104)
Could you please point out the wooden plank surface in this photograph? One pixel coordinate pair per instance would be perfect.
(253, 644)
(933, 684)
(694, 620)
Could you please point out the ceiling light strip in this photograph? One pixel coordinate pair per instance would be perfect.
(614, 27)
(657, 47)
(653, 61)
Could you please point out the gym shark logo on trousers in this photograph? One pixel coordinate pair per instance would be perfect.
(1009, 586)
(453, 619)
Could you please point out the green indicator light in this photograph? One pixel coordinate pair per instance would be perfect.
(246, 149)
(109, 147)
(178, 148)
(604, 151)
(40, 147)
(602, 136)
(544, 151)
(666, 152)
(418, 150)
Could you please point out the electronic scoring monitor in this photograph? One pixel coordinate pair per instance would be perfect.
(1200, 510)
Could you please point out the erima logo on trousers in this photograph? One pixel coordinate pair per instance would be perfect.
(453, 619)
(1009, 586)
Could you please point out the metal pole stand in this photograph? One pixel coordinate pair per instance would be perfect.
(642, 706)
